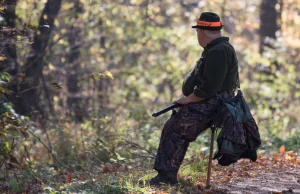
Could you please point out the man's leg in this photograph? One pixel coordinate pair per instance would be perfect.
(181, 129)
(171, 150)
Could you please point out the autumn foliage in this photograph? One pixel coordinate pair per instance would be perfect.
(79, 81)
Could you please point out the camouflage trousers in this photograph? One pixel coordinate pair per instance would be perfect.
(182, 128)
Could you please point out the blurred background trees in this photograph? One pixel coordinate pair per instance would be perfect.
(57, 57)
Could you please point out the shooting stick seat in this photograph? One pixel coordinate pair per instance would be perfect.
(213, 129)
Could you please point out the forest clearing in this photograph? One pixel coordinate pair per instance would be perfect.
(80, 80)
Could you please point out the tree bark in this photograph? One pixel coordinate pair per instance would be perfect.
(8, 36)
(28, 93)
(268, 23)
(74, 101)
(8, 48)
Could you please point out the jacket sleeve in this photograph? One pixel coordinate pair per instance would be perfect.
(214, 74)
(187, 85)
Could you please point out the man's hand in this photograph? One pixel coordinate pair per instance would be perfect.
(189, 99)
(181, 100)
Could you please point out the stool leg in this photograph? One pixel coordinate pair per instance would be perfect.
(210, 157)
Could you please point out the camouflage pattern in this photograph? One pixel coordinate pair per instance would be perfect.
(236, 140)
(183, 128)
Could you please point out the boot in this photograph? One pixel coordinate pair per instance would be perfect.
(163, 179)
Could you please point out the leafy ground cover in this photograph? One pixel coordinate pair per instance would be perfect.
(68, 125)
(278, 173)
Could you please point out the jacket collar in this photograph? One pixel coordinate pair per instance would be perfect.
(216, 41)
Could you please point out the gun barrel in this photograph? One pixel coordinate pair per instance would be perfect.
(165, 110)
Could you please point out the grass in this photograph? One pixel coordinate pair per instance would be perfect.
(134, 181)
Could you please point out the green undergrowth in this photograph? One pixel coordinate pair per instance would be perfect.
(291, 143)
(49, 180)
(133, 181)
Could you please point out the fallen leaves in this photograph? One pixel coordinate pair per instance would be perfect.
(281, 163)
(108, 168)
(68, 177)
(282, 149)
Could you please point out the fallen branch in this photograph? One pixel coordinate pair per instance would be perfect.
(54, 157)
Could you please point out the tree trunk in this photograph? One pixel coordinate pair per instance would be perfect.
(8, 48)
(103, 84)
(28, 93)
(268, 23)
(74, 101)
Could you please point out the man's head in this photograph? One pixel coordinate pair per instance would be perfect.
(208, 28)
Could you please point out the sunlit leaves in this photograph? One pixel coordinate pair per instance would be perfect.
(4, 147)
(29, 18)
(97, 76)
(4, 90)
(10, 131)
(2, 57)
(5, 77)
(2, 7)
(108, 74)
(67, 6)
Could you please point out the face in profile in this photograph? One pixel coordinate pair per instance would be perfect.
(200, 34)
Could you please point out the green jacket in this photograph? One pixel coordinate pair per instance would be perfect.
(214, 72)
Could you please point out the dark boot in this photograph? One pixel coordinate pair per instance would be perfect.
(163, 179)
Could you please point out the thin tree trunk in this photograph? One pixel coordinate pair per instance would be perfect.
(268, 23)
(48, 95)
(8, 36)
(8, 48)
(103, 84)
(28, 93)
(74, 101)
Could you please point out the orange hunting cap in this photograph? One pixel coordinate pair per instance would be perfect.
(209, 21)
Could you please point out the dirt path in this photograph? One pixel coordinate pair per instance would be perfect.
(276, 174)
(280, 182)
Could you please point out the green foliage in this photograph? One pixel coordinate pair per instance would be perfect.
(272, 92)
(14, 185)
(5, 77)
(291, 143)
(148, 47)
(11, 131)
(194, 169)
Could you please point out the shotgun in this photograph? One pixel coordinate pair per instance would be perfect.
(172, 106)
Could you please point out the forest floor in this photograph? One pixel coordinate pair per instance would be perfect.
(276, 174)
(270, 174)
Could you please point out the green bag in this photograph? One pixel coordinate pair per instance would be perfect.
(238, 108)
